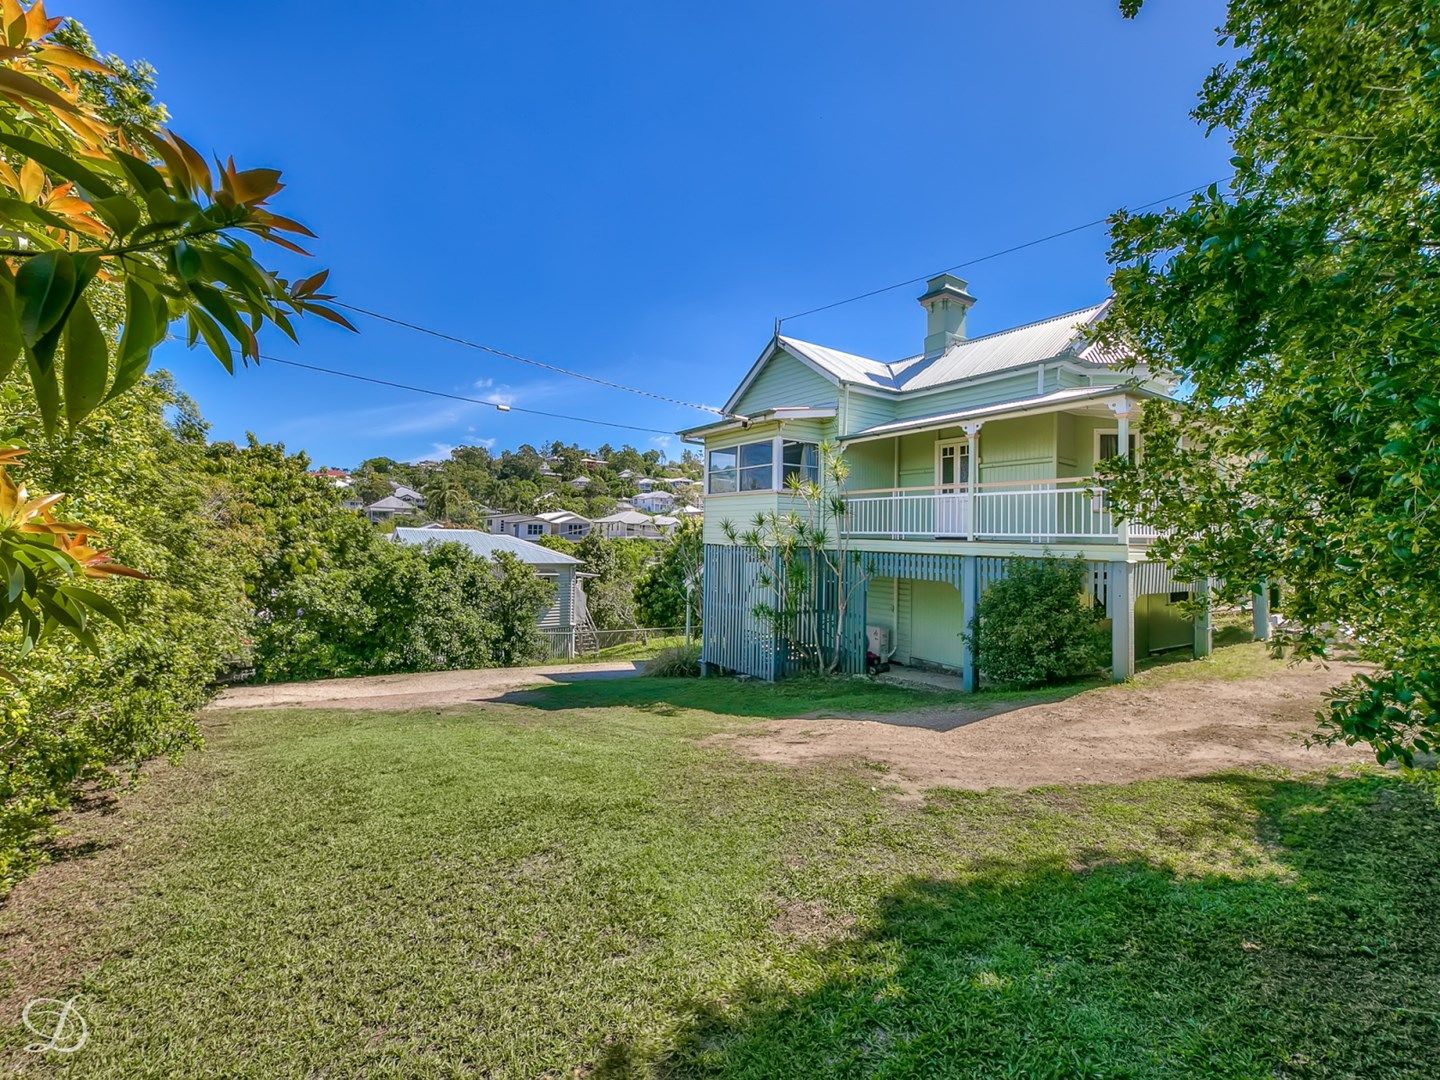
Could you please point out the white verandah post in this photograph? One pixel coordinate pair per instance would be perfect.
(972, 477)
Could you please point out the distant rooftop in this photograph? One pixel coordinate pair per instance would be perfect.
(486, 545)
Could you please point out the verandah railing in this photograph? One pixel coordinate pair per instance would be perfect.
(1040, 511)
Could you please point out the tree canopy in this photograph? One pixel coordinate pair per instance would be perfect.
(1301, 312)
(113, 227)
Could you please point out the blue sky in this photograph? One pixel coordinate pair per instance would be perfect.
(638, 190)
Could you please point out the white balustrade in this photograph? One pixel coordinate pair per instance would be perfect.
(1039, 511)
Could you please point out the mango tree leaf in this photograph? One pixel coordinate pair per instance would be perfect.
(209, 329)
(16, 84)
(44, 288)
(138, 340)
(187, 260)
(47, 392)
(141, 173)
(119, 212)
(87, 363)
(10, 341)
(330, 316)
(213, 301)
(62, 165)
(93, 600)
(84, 266)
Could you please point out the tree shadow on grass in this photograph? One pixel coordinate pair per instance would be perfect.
(839, 697)
(1321, 961)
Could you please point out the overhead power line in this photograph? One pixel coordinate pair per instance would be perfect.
(497, 406)
(492, 350)
(993, 255)
(641, 391)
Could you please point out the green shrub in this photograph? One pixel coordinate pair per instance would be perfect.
(678, 662)
(1034, 626)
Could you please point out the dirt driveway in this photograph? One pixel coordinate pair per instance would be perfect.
(418, 690)
(1115, 734)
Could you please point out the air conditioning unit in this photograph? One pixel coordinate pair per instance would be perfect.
(877, 640)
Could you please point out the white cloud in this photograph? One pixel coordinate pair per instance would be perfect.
(437, 452)
(496, 395)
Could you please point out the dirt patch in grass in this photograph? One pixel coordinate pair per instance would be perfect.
(1111, 735)
(805, 920)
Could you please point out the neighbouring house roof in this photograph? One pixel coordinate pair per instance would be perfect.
(1040, 403)
(487, 545)
(662, 519)
(562, 517)
(403, 492)
(691, 510)
(625, 517)
(390, 502)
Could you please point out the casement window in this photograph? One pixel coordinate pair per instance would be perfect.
(747, 467)
(799, 461)
(1107, 444)
(534, 528)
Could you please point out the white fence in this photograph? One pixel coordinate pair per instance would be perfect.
(1038, 511)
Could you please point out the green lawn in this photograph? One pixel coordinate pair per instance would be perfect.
(519, 891)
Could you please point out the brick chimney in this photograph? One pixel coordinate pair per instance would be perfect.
(946, 301)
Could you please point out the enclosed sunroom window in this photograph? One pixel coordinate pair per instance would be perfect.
(799, 461)
(747, 467)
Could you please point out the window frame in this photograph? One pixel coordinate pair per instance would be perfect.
(758, 470)
(810, 471)
(1134, 444)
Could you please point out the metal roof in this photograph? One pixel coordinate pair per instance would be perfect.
(487, 544)
(390, 502)
(965, 359)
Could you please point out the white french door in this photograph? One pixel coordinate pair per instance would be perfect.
(952, 497)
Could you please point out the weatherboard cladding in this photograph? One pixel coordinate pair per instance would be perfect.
(785, 381)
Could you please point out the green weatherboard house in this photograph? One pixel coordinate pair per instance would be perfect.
(963, 457)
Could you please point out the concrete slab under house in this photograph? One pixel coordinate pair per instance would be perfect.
(964, 457)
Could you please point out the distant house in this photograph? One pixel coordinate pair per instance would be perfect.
(530, 526)
(665, 524)
(627, 525)
(410, 495)
(579, 483)
(387, 508)
(688, 512)
(567, 609)
(567, 523)
(654, 502)
(644, 483)
(337, 477)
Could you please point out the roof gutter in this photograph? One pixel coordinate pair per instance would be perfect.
(923, 425)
